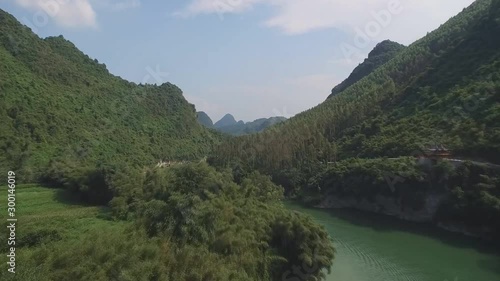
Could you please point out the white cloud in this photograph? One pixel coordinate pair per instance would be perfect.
(124, 5)
(220, 7)
(301, 16)
(297, 16)
(67, 13)
(73, 13)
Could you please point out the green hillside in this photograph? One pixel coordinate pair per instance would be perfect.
(104, 207)
(443, 89)
(187, 222)
(382, 53)
(57, 104)
(204, 119)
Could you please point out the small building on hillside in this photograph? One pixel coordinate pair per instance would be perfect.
(438, 152)
(432, 155)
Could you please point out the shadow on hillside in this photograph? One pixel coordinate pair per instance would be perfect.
(387, 224)
(384, 223)
(67, 197)
(493, 266)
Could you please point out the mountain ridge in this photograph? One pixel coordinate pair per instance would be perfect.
(204, 119)
(382, 53)
(44, 82)
(228, 124)
(226, 120)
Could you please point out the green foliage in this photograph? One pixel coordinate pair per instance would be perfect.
(204, 119)
(382, 53)
(362, 178)
(261, 187)
(293, 236)
(426, 94)
(196, 205)
(39, 236)
(56, 102)
(475, 198)
(70, 124)
(442, 89)
(471, 190)
(91, 183)
(185, 222)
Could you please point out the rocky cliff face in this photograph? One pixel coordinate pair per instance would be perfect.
(394, 207)
(390, 206)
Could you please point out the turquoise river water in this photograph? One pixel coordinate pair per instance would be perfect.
(379, 248)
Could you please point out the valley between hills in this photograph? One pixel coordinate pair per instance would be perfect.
(395, 176)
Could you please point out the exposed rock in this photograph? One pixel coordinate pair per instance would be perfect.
(388, 206)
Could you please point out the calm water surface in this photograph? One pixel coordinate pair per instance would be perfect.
(378, 248)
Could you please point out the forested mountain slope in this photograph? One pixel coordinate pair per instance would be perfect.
(443, 89)
(204, 119)
(69, 124)
(57, 104)
(382, 53)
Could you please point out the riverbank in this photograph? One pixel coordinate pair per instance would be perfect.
(393, 207)
(373, 247)
(461, 198)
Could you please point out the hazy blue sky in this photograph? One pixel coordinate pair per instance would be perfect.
(251, 58)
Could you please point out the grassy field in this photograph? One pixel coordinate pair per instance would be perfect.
(45, 208)
(49, 219)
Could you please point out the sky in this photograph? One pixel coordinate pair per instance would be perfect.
(250, 58)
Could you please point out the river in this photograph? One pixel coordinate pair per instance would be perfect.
(372, 247)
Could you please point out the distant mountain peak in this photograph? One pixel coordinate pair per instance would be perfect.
(227, 120)
(229, 125)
